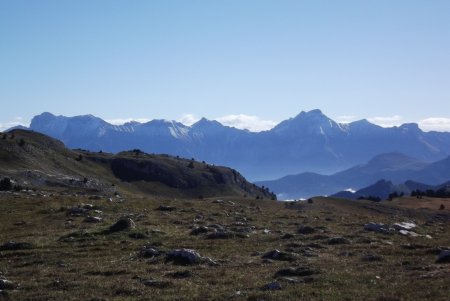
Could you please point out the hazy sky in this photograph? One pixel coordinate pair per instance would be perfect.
(242, 62)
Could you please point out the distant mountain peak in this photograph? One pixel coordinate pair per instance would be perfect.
(413, 127)
(311, 122)
(316, 113)
(206, 123)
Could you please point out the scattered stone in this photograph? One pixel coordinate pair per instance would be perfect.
(218, 201)
(157, 283)
(93, 219)
(280, 255)
(122, 225)
(216, 226)
(404, 226)
(299, 272)
(199, 230)
(408, 233)
(413, 246)
(166, 208)
(184, 257)
(306, 230)
(338, 241)
(149, 252)
(220, 234)
(7, 285)
(288, 236)
(77, 211)
(273, 286)
(444, 257)
(372, 258)
(87, 206)
(376, 227)
(14, 246)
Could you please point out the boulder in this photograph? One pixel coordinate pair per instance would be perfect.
(444, 257)
(376, 227)
(408, 233)
(306, 230)
(184, 257)
(280, 255)
(122, 225)
(13, 246)
(7, 285)
(220, 234)
(166, 208)
(199, 230)
(93, 219)
(404, 226)
(149, 252)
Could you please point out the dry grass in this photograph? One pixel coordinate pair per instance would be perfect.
(98, 266)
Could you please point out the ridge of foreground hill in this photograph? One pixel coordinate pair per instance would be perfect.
(35, 160)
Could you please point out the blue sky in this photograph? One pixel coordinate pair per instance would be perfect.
(247, 63)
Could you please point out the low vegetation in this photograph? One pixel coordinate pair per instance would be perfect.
(144, 248)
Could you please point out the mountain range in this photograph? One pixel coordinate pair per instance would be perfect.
(382, 189)
(311, 141)
(395, 167)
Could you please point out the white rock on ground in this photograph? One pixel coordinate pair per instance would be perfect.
(404, 226)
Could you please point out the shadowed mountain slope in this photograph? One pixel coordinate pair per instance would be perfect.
(35, 160)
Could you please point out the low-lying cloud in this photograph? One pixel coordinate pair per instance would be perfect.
(439, 124)
(247, 122)
(188, 119)
(389, 121)
(12, 123)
